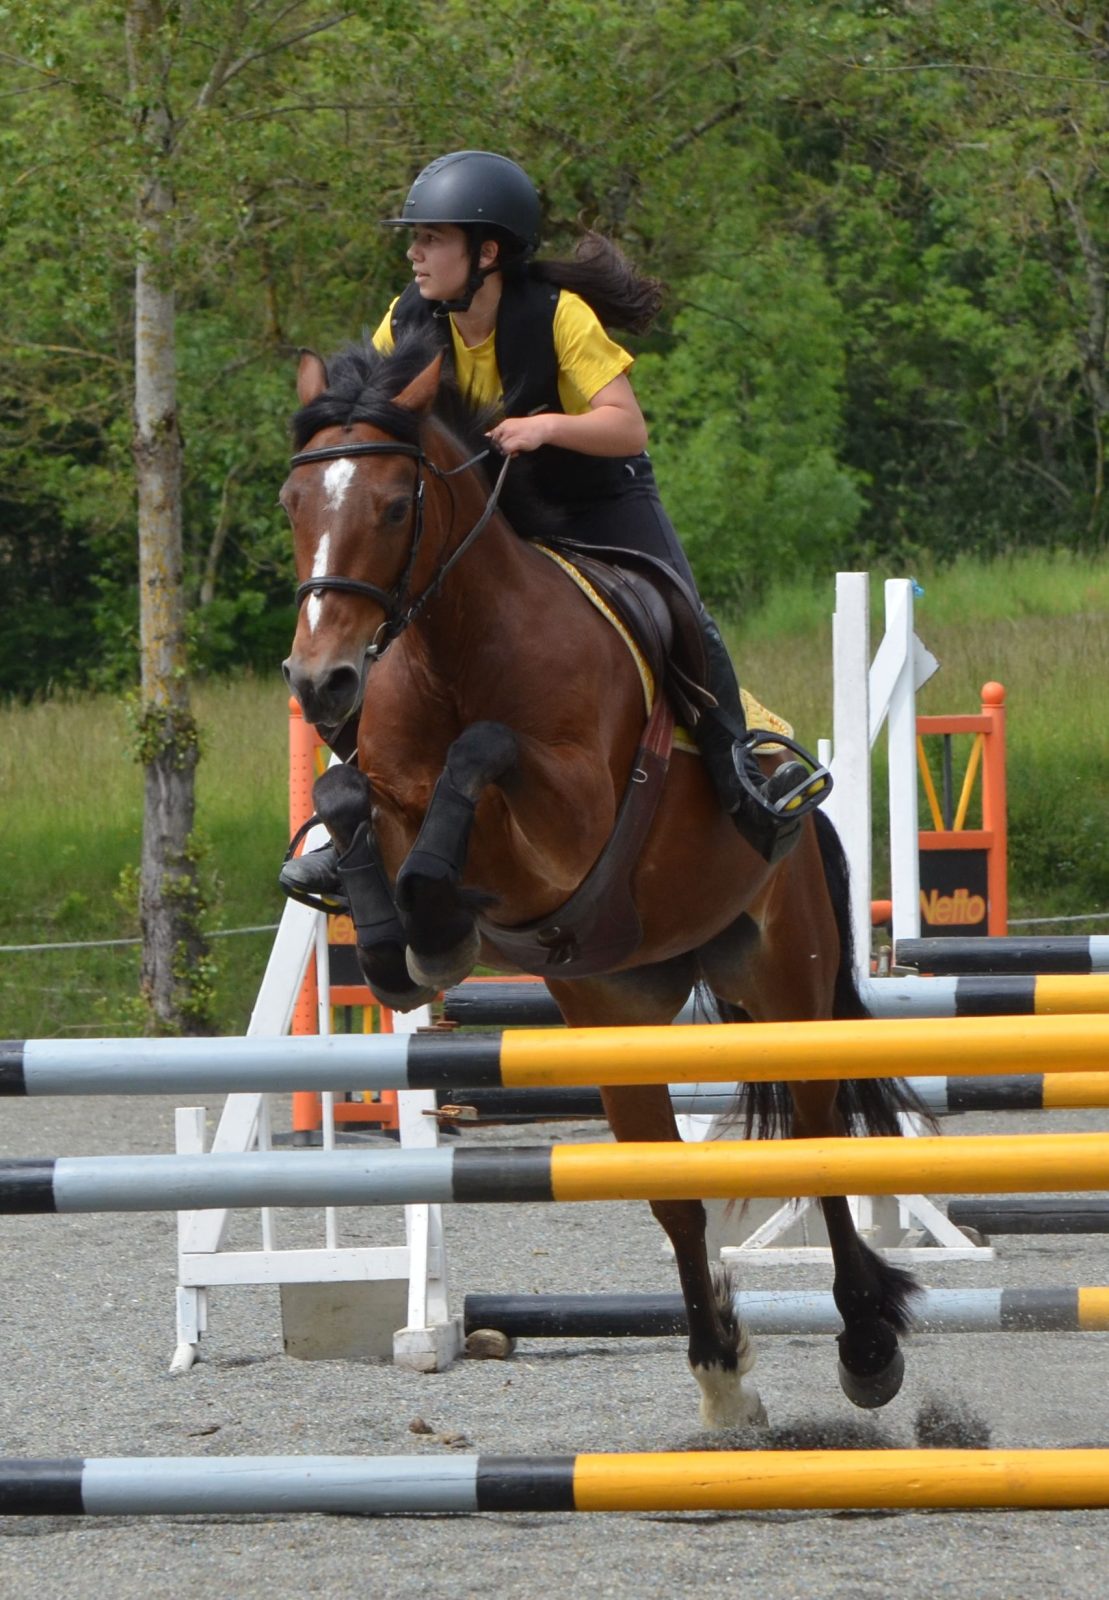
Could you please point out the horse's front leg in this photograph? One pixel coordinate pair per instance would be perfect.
(873, 1297)
(343, 798)
(720, 1352)
(437, 914)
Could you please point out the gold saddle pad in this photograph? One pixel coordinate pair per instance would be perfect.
(756, 714)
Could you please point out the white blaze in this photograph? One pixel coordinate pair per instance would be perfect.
(336, 481)
(319, 569)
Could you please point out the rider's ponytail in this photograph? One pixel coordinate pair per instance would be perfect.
(606, 280)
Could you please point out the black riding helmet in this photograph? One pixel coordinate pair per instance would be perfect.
(488, 195)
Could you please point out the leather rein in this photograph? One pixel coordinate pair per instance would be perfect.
(400, 610)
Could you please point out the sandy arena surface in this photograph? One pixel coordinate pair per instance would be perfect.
(87, 1322)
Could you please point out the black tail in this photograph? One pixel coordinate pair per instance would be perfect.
(867, 1105)
(846, 1000)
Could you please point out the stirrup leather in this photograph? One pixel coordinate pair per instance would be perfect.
(797, 800)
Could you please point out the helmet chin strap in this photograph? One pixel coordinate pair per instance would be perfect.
(478, 275)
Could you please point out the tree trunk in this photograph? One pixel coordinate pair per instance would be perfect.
(173, 950)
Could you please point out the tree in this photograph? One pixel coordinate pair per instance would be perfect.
(156, 136)
(967, 226)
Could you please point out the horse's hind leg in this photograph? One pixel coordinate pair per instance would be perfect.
(720, 1351)
(872, 1296)
(343, 798)
(438, 915)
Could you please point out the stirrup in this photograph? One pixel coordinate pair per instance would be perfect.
(330, 905)
(781, 802)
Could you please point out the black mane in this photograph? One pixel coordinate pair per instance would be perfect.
(362, 385)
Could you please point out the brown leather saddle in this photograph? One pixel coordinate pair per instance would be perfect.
(599, 927)
(659, 610)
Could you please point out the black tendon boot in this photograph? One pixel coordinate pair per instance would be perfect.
(766, 810)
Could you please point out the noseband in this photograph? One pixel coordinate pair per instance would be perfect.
(399, 609)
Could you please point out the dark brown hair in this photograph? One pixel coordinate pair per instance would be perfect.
(598, 271)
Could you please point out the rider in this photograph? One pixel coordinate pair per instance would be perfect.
(528, 337)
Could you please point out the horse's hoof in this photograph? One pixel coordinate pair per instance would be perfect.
(874, 1389)
(403, 999)
(728, 1402)
(446, 968)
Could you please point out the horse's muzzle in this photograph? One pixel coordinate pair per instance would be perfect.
(329, 696)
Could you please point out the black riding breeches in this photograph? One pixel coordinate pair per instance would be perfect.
(635, 519)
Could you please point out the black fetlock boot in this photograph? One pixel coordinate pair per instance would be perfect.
(766, 810)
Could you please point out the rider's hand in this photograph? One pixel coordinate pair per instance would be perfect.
(516, 435)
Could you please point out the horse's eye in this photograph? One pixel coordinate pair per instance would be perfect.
(396, 512)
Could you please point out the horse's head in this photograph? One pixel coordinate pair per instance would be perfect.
(354, 497)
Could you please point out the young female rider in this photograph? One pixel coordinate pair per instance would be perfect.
(528, 338)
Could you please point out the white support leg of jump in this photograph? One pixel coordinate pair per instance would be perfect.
(867, 696)
(432, 1338)
(848, 805)
(352, 1300)
(904, 825)
(202, 1233)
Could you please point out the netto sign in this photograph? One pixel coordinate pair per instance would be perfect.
(953, 892)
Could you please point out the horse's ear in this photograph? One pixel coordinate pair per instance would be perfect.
(419, 395)
(311, 377)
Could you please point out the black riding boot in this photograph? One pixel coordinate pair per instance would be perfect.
(766, 810)
(314, 876)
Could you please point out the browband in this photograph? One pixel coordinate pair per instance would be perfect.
(335, 452)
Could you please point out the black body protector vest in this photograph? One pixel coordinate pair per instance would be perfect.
(528, 365)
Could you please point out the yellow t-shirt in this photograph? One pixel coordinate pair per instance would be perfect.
(587, 357)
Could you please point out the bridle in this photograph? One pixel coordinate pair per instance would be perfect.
(400, 610)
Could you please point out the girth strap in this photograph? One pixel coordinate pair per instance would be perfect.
(599, 926)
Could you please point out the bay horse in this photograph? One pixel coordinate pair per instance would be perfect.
(500, 717)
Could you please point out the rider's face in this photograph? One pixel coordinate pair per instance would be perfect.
(440, 257)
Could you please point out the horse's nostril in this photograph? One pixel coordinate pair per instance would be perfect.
(341, 685)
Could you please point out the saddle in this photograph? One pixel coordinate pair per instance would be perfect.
(599, 927)
(658, 609)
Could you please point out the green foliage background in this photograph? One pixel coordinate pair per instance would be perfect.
(883, 226)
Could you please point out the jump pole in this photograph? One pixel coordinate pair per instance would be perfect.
(1074, 953)
(1032, 1215)
(542, 1058)
(1069, 1309)
(493, 1003)
(940, 1096)
(754, 1480)
(988, 1164)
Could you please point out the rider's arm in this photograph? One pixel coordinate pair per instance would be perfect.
(612, 426)
(600, 415)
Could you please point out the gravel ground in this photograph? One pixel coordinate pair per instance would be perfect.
(87, 1320)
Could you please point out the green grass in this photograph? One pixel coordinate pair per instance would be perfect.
(72, 798)
(72, 804)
